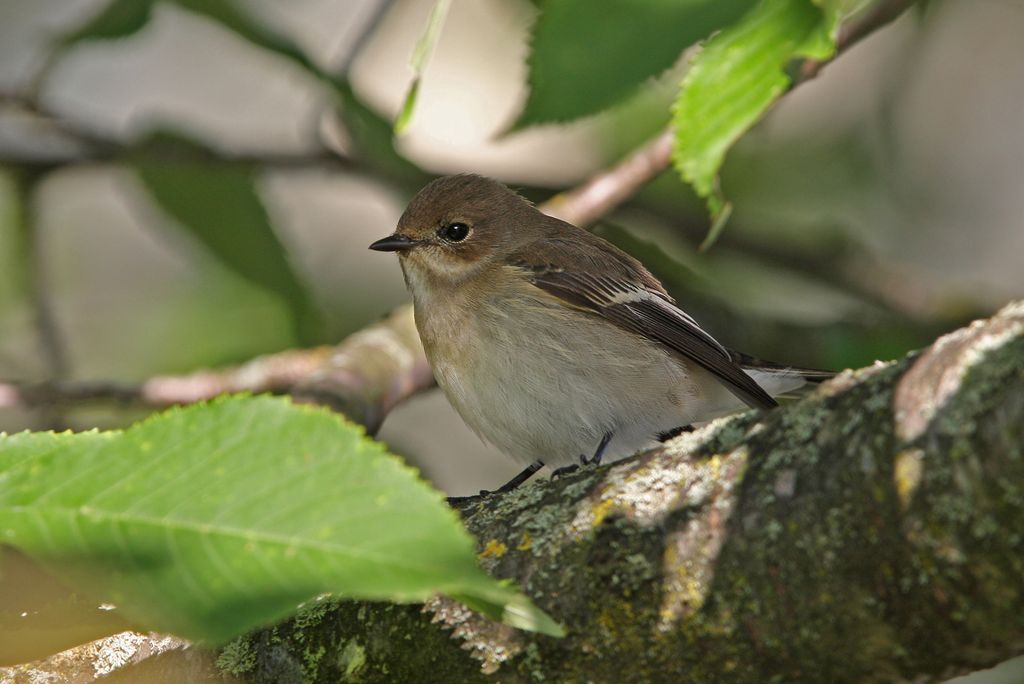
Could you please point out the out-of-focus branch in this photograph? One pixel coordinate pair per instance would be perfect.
(51, 343)
(272, 373)
(371, 372)
(86, 145)
(607, 190)
(845, 265)
(364, 377)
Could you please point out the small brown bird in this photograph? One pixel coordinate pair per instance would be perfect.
(552, 343)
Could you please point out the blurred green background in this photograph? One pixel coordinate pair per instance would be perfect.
(182, 189)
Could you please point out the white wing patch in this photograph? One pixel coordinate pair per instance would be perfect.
(610, 292)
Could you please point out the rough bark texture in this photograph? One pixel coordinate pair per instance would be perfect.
(870, 532)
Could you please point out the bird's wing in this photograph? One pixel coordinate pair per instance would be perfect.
(619, 289)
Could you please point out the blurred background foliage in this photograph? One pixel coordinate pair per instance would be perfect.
(191, 183)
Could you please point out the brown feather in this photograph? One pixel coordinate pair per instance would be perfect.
(607, 282)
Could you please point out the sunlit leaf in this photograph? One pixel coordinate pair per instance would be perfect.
(586, 56)
(214, 519)
(735, 78)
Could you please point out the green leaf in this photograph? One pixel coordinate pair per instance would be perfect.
(420, 55)
(220, 207)
(119, 19)
(586, 56)
(404, 117)
(735, 79)
(214, 519)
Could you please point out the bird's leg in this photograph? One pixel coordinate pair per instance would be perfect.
(593, 460)
(596, 458)
(519, 479)
(522, 477)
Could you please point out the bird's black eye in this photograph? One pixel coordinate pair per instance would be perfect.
(455, 232)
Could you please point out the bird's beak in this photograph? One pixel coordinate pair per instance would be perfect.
(394, 243)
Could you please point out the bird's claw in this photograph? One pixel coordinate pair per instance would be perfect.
(564, 470)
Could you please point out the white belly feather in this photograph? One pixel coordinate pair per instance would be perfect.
(551, 392)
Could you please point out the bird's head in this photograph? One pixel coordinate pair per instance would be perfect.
(458, 226)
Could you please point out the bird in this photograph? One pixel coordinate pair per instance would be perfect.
(551, 343)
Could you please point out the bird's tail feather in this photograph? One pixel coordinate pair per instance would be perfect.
(779, 380)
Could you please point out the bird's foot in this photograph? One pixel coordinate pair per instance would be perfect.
(565, 470)
(594, 460)
(461, 501)
(674, 432)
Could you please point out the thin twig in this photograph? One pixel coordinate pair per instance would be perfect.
(272, 373)
(364, 377)
(609, 189)
(93, 147)
(844, 265)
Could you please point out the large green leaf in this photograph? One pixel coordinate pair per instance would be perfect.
(210, 520)
(735, 78)
(586, 56)
(221, 208)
